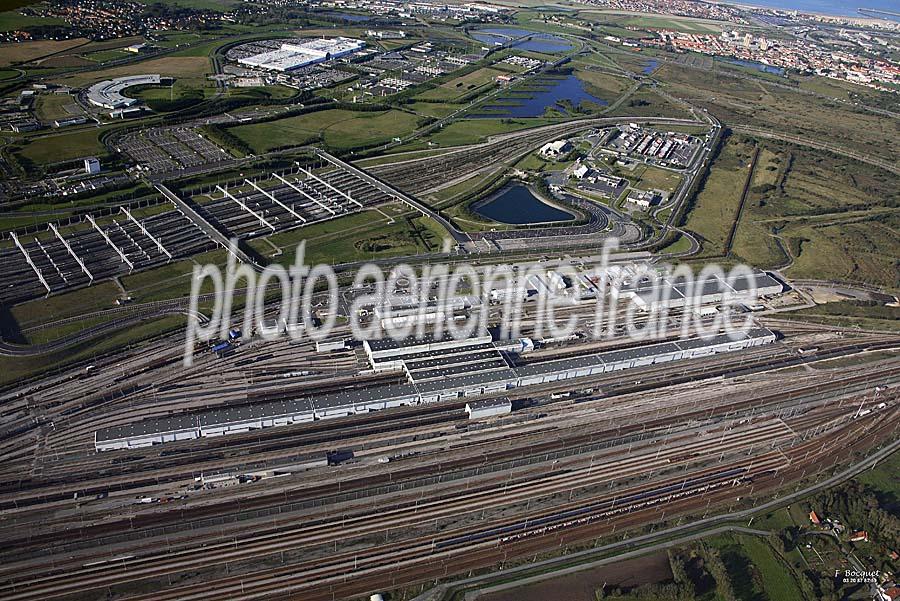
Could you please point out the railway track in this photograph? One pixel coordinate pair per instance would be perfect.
(323, 575)
(650, 380)
(718, 445)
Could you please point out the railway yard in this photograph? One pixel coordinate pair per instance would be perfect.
(555, 295)
(347, 505)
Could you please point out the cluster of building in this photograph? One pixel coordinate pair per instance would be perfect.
(435, 369)
(317, 63)
(801, 54)
(386, 73)
(670, 149)
(591, 179)
(305, 64)
(683, 8)
(526, 63)
(107, 19)
(437, 11)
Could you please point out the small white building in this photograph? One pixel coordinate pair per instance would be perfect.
(488, 408)
(91, 165)
(554, 150)
(643, 198)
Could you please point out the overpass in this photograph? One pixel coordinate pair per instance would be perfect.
(205, 226)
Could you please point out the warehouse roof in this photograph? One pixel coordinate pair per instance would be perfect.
(454, 370)
(385, 344)
(256, 411)
(162, 425)
(423, 355)
(461, 355)
(467, 381)
(488, 403)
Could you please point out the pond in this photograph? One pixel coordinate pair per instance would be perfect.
(515, 204)
(649, 66)
(539, 95)
(538, 42)
(755, 65)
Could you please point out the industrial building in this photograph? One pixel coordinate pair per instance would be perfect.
(108, 94)
(488, 408)
(303, 53)
(674, 294)
(437, 370)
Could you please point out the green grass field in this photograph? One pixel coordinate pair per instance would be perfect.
(338, 128)
(65, 146)
(433, 109)
(53, 106)
(103, 56)
(470, 131)
(371, 234)
(714, 208)
(754, 102)
(654, 178)
(13, 19)
(820, 216)
(94, 298)
(603, 85)
(172, 280)
(756, 572)
(462, 85)
(16, 368)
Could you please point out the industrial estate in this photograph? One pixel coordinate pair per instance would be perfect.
(411, 301)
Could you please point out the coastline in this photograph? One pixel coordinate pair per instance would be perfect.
(859, 20)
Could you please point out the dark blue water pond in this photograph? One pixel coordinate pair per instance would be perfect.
(537, 42)
(515, 204)
(764, 68)
(650, 66)
(540, 95)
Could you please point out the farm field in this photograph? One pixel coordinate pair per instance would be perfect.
(27, 51)
(337, 128)
(184, 67)
(63, 147)
(462, 85)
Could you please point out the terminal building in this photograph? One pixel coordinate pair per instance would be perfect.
(435, 369)
(108, 94)
(303, 53)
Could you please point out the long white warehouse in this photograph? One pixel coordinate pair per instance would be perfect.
(457, 384)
